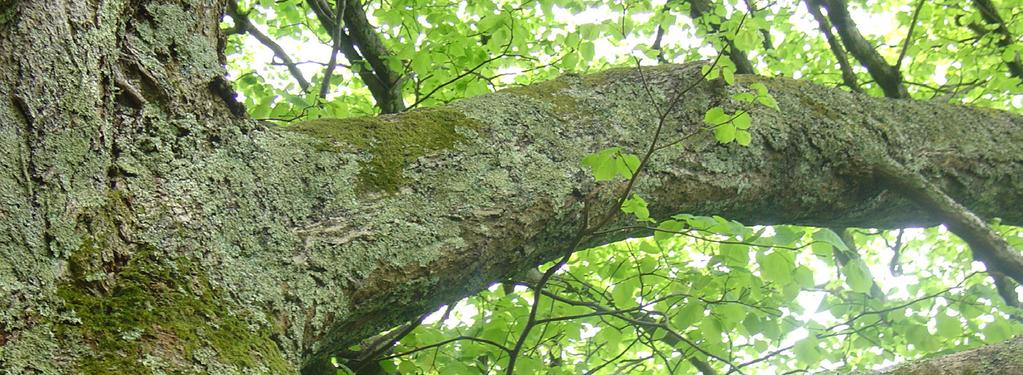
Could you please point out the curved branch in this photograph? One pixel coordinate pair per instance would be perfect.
(848, 76)
(383, 84)
(242, 23)
(990, 15)
(886, 76)
(987, 245)
(699, 8)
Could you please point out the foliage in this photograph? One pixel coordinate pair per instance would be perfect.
(698, 293)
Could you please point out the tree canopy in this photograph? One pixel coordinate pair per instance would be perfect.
(691, 294)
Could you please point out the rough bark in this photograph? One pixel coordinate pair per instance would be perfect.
(1004, 358)
(148, 228)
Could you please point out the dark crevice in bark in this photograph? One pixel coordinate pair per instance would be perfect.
(223, 90)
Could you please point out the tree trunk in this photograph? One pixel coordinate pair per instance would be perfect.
(148, 227)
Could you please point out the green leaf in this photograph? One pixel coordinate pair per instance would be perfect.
(570, 61)
(857, 276)
(822, 249)
(808, 351)
(776, 267)
(743, 137)
(724, 133)
(636, 206)
(759, 88)
(407, 367)
(768, 101)
(745, 40)
(421, 63)
(742, 121)
(804, 277)
(730, 314)
(917, 334)
(735, 255)
(622, 294)
(716, 116)
(627, 164)
(711, 329)
(830, 237)
(586, 50)
(948, 326)
(1009, 55)
(490, 22)
(998, 330)
(602, 164)
(649, 247)
(744, 97)
(710, 72)
(786, 236)
(667, 229)
(261, 110)
(691, 313)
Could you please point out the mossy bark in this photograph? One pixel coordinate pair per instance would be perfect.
(148, 227)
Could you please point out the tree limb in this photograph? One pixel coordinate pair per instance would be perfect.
(987, 245)
(990, 15)
(700, 8)
(243, 24)
(886, 76)
(384, 85)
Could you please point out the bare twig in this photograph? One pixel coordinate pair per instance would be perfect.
(336, 36)
(909, 34)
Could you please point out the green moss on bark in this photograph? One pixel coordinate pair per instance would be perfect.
(129, 309)
(391, 141)
(8, 10)
(554, 93)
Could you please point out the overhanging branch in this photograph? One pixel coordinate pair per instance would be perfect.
(987, 245)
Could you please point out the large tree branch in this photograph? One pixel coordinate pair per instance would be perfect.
(463, 212)
(998, 359)
(249, 249)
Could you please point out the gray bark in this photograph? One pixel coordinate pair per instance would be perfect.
(147, 228)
